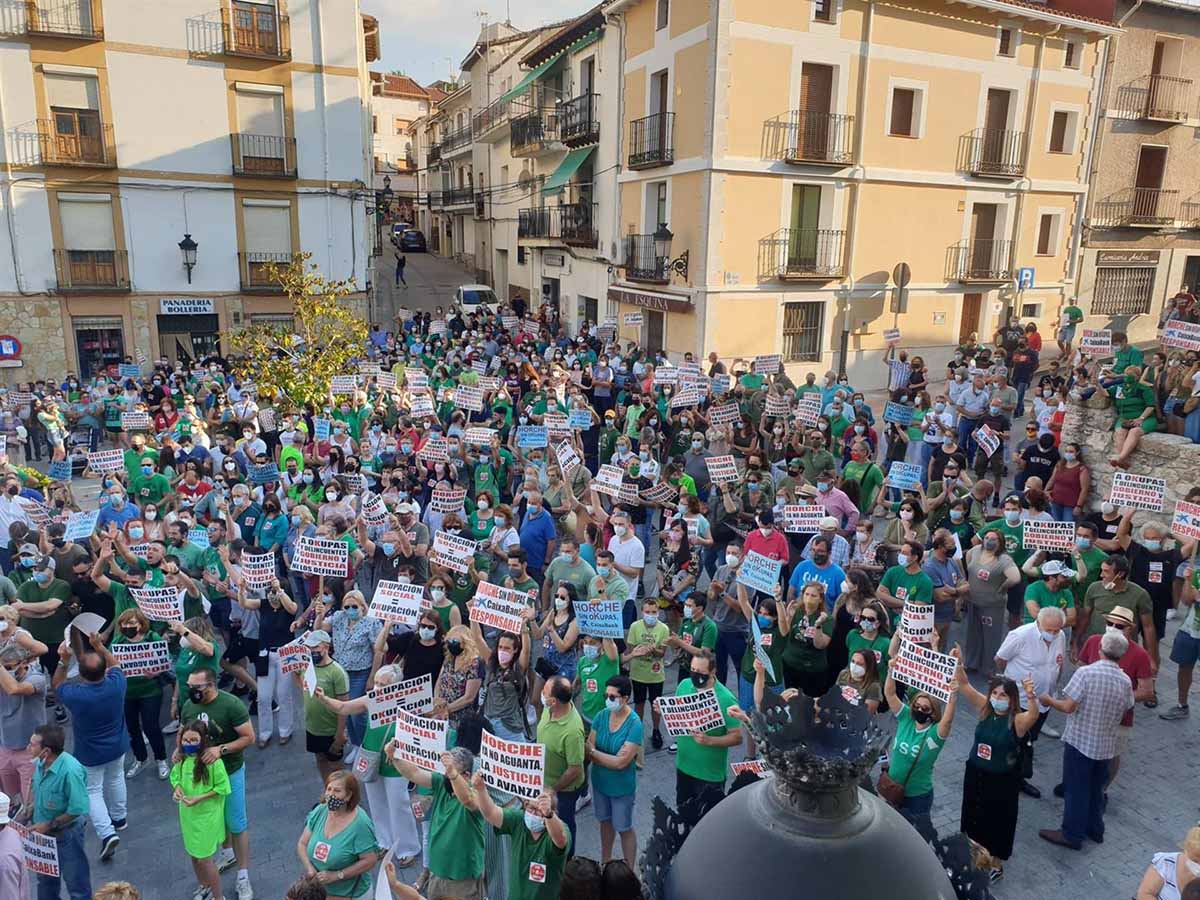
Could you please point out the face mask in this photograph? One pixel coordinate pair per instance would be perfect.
(427, 633)
(388, 548)
(332, 496)
(1000, 706)
(190, 749)
(731, 559)
(991, 546)
(353, 613)
(534, 823)
(1107, 508)
(1152, 546)
(500, 521)
(823, 487)
(1012, 516)
(603, 571)
(505, 656)
(1047, 636)
(860, 429)
(689, 612)
(902, 559)
(27, 562)
(455, 647)
(196, 694)
(697, 445)
(956, 515)
(619, 530)
(906, 515)
(700, 680)
(561, 603)
(922, 716)
(307, 478)
(764, 621)
(651, 619)
(857, 671)
(335, 803)
(591, 651)
(868, 624)
(116, 502)
(612, 704)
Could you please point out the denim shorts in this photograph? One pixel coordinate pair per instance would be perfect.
(235, 803)
(617, 810)
(1186, 650)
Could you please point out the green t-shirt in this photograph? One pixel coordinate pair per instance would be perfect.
(332, 854)
(906, 586)
(133, 460)
(1074, 314)
(138, 687)
(1131, 400)
(1100, 600)
(774, 644)
(455, 834)
(695, 634)
(1092, 558)
(869, 478)
(1014, 539)
(815, 462)
(149, 489)
(188, 661)
(1041, 594)
(593, 675)
(48, 630)
(906, 746)
(706, 763)
(535, 861)
(856, 641)
(319, 719)
(800, 654)
(190, 556)
(563, 740)
(646, 669)
(223, 717)
(580, 575)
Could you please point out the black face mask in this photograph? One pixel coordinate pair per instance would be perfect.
(921, 717)
(455, 647)
(699, 679)
(196, 694)
(820, 558)
(130, 632)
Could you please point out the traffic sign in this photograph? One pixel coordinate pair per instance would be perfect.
(1024, 278)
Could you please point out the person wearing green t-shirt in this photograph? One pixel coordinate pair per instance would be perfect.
(1053, 589)
(1137, 414)
(1069, 318)
(539, 843)
(703, 757)
(645, 646)
(696, 632)
(598, 662)
(42, 602)
(905, 582)
(325, 730)
(339, 840)
(149, 486)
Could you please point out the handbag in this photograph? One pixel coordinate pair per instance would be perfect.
(891, 790)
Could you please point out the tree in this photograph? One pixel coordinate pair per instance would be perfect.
(326, 336)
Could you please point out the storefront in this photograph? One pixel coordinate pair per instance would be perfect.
(656, 320)
(99, 344)
(188, 329)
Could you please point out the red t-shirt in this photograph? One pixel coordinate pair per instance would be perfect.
(1135, 663)
(774, 547)
(193, 491)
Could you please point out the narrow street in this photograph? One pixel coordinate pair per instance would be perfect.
(431, 282)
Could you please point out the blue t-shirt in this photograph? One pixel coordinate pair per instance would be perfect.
(831, 576)
(535, 533)
(610, 782)
(942, 574)
(98, 718)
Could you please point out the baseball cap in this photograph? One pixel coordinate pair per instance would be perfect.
(317, 638)
(45, 562)
(1054, 567)
(1119, 615)
(828, 523)
(29, 550)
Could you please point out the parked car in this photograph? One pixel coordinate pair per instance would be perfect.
(474, 298)
(412, 241)
(398, 229)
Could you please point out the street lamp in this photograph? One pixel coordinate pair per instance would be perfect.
(662, 251)
(188, 248)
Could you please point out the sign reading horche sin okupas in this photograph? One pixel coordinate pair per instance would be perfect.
(725, 414)
(343, 384)
(916, 622)
(924, 669)
(1184, 335)
(135, 421)
(80, 525)
(767, 365)
(759, 572)
(499, 607)
(396, 602)
(321, 556)
(106, 461)
(480, 437)
(532, 437)
(372, 509)
(420, 741)
(448, 500)
(757, 767)
(904, 476)
(1137, 491)
(160, 604)
(293, 657)
(568, 459)
(1186, 521)
(777, 406)
(258, 570)
(40, 851)
(808, 410)
(384, 702)
(690, 713)
(453, 551)
(143, 658)
(899, 413)
(801, 518)
(608, 480)
(1096, 342)
(600, 618)
(721, 469)
(988, 440)
(513, 767)
(468, 396)
(1037, 535)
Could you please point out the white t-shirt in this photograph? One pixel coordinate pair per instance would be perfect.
(1164, 864)
(631, 554)
(1027, 654)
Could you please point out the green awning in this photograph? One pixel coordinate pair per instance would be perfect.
(567, 168)
(530, 77)
(586, 41)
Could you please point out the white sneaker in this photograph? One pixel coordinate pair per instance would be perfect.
(226, 858)
(171, 728)
(1051, 732)
(164, 770)
(244, 891)
(202, 893)
(136, 768)
(1172, 615)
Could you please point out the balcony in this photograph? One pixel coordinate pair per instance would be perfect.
(809, 137)
(72, 19)
(464, 196)
(534, 133)
(73, 138)
(480, 205)
(803, 254)
(485, 124)
(652, 141)
(987, 261)
(257, 31)
(264, 155)
(572, 224)
(992, 153)
(256, 271)
(1136, 208)
(1168, 98)
(456, 140)
(92, 270)
(435, 199)
(433, 155)
(1189, 213)
(579, 120)
(642, 262)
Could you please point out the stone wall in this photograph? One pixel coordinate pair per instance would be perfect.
(38, 323)
(1160, 455)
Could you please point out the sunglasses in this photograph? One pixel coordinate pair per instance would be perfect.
(868, 618)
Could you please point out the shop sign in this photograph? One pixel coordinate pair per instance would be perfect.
(554, 260)
(186, 306)
(662, 302)
(1127, 257)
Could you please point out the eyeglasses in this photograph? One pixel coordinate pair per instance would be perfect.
(611, 697)
(868, 618)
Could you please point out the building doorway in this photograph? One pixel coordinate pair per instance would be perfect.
(188, 339)
(99, 344)
(969, 323)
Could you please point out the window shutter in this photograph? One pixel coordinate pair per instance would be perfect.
(260, 113)
(268, 228)
(902, 111)
(73, 91)
(1045, 228)
(87, 225)
(1058, 132)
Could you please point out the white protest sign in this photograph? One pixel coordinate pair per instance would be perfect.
(420, 741)
(481, 437)
(310, 678)
(293, 657)
(106, 461)
(916, 622)
(448, 500)
(608, 480)
(660, 492)
(725, 414)
(499, 607)
(258, 570)
(162, 604)
(693, 712)
(776, 405)
(808, 410)
(421, 406)
(453, 551)
(988, 440)
(600, 618)
(144, 658)
(758, 767)
(803, 518)
(40, 851)
(631, 318)
(568, 459)
(343, 384)
(1096, 342)
(891, 337)
(80, 525)
(721, 469)
(435, 450)
(924, 669)
(468, 396)
(372, 509)
(558, 425)
(1037, 535)
(1186, 522)
(1137, 491)
(135, 421)
(767, 365)
(385, 701)
(386, 381)
(400, 603)
(513, 767)
(1184, 335)
(321, 556)
(759, 572)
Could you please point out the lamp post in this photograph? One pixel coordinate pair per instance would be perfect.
(662, 252)
(188, 248)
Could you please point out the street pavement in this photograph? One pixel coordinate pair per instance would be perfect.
(431, 283)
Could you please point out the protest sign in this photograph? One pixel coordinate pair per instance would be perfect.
(310, 678)
(692, 712)
(725, 414)
(513, 767)
(499, 607)
(372, 509)
(448, 500)
(1037, 535)
(631, 319)
(321, 556)
(628, 495)
(899, 413)
(420, 741)
(924, 669)
(1137, 491)
(453, 551)
(891, 337)
(803, 518)
(437, 326)
(384, 702)
(666, 374)
(356, 482)
(721, 469)
(760, 650)
(266, 418)
(258, 570)
(916, 622)
(60, 469)
(600, 618)
(767, 365)
(558, 426)
(510, 322)
(489, 383)
(568, 459)
(988, 440)
(532, 437)
(263, 473)
(759, 572)
(808, 410)
(321, 428)
(40, 851)
(777, 406)
(435, 450)
(80, 525)
(106, 461)
(758, 767)
(531, 326)
(343, 384)
(688, 395)
(722, 383)
(1184, 335)
(144, 658)
(368, 369)
(1096, 342)
(399, 603)
(386, 381)
(421, 406)
(480, 437)
(416, 380)
(608, 480)
(580, 419)
(660, 492)
(161, 604)
(140, 550)
(198, 535)
(1186, 522)
(293, 657)
(129, 370)
(468, 396)
(904, 476)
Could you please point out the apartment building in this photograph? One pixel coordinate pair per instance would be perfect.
(158, 158)
(396, 102)
(781, 161)
(1141, 235)
(451, 191)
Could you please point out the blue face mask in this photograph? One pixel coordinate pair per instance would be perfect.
(42, 577)
(1152, 546)
(388, 548)
(591, 651)
(354, 613)
(1000, 706)
(27, 562)
(603, 571)
(190, 749)
(295, 520)
(764, 621)
(1083, 543)
(902, 559)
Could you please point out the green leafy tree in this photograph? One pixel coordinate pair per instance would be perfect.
(326, 336)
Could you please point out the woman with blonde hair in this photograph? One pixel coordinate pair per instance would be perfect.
(12, 634)
(458, 684)
(354, 634)
(1169, 874)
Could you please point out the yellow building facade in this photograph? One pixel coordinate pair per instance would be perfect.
(798, 152)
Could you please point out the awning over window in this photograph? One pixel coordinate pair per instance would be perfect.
(566, 169)
(534, 74)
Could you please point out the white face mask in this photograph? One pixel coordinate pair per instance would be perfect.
(857, 671)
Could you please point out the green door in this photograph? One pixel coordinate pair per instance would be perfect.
(802, 239)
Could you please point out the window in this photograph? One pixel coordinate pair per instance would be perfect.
(1064, 124)
(1071, 55)
(904, 108)
(401, 125)
(374, 124)
(802, 331)
(75, 109)
(1008, 42)
(1122, 291)
(260, 110)
(588, 309)
(823, 10)
(88, 240)
(664, 13)
(267, 227)
(1047, 238)
(1031, 310)
(660, 204)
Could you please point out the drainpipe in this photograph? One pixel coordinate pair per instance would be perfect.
(619, 167)
(860, 110)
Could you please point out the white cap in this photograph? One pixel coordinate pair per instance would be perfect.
(1054, 567)
(4, 806)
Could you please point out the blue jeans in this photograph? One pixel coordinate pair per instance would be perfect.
(73, 863)
(645, 532)
(731, 647)
(566, 812)
(1022, 387)
(356, 726)
(1062, 513)
(1191, 426)
(1083, 793)
(926, 456)
(917, 810)
(966, 439)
